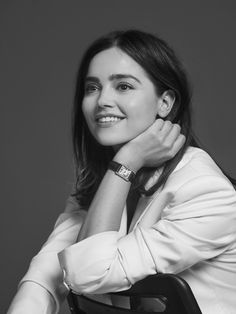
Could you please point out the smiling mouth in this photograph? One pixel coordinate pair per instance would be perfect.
(108, 119)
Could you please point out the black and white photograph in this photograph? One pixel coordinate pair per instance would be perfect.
(118, 156)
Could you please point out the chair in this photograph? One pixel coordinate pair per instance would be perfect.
(171, 293)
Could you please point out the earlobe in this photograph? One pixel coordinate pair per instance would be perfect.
(166, 102)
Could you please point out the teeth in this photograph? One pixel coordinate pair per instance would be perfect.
(109, 119)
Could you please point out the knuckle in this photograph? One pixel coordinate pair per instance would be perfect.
(182, 137)
(177, 127)
(168, 122)
(171, 154)
(167, 145)
(159, 123)
(160, 138)
(153, 133)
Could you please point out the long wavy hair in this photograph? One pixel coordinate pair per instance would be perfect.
(166, 73)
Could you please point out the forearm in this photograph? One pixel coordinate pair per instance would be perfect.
(32, 298)
(107, 206)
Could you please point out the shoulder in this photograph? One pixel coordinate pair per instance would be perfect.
(198, 174)
(198, 189)
(198, 162)
(194, 164)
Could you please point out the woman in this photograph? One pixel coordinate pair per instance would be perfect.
(134, 145)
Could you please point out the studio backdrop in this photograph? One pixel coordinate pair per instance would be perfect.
(41, 45)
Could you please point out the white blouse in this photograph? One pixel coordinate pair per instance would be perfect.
(188, 227)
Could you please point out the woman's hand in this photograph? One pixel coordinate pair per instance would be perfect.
(157, 144)
(160, 142)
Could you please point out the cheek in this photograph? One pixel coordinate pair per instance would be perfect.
(86, 112)
(83, 107)
(143, 110)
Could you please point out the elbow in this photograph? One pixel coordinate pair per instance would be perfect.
(94, 278)
(94, 265)
(89, 281)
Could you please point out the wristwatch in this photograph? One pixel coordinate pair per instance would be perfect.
(122, 171)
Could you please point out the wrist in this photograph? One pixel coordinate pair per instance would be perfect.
(122, 171)
(128, 159)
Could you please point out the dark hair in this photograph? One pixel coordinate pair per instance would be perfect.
(166, 73)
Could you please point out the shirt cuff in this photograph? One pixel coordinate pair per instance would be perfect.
(53, 284)
(92, 265)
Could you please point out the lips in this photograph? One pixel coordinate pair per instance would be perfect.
(108, 119)
(105, 118)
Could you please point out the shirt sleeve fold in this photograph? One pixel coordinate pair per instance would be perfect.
(44, 268)
(199, 224)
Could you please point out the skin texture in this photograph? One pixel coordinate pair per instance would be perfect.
(139, 139)
(132, 98)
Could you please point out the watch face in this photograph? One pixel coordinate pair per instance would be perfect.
(124, 172)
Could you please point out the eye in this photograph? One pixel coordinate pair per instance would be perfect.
(91, 88)
(123, 87)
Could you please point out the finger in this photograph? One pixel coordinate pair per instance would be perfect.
(173, 133)
(178, 144)
(159, 124)
(166, 128)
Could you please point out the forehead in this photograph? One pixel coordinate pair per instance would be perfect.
(112, 61)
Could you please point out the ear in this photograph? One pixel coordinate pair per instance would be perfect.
(165, 103)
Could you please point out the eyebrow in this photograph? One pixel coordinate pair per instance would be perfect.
(113, 77)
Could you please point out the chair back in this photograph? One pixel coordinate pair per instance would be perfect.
(162, 293)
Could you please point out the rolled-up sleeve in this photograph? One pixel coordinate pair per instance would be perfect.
(93, 265)
(198, 224)
(44, 268)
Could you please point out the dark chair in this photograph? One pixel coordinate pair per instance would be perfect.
(169, 294)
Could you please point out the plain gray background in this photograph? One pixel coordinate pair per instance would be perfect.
(41, 44)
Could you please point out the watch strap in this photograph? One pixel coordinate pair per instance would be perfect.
(122, 171)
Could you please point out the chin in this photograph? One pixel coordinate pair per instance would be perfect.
(111, 142)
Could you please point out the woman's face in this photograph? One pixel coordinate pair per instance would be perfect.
(120, 101)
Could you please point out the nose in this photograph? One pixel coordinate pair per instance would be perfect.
(105, 98)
